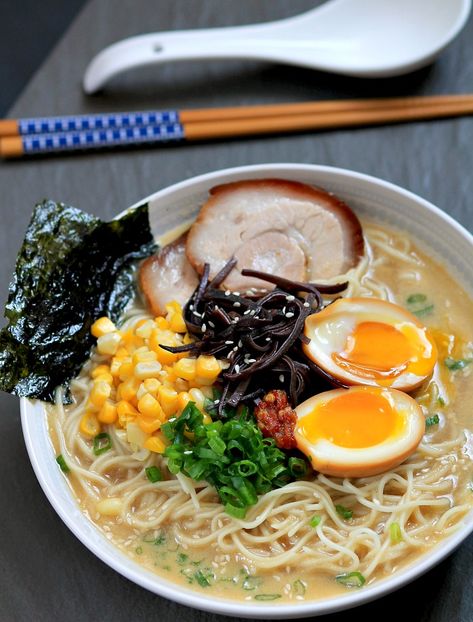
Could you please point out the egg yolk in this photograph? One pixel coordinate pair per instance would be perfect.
(354, 420)
(380, 351)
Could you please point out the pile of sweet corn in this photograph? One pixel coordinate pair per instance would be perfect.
(141, 385)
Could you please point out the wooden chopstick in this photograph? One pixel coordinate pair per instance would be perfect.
(217, 123)
(116, 120)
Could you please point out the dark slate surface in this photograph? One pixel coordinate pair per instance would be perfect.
(45, 573)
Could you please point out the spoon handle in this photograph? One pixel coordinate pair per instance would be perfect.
(267, 41)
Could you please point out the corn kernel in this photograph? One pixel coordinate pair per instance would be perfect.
(182, 400)
(152, 385)
(135, 434)
(108, 343)
(126, 412)
(115, 366)
(126, 370)
(168, 399)
(141, 391)
(206, 418)
(147, 370)
(156, 444)
(207, 367)
(129, 389)
(122, 353)
(185, 368)
(102, 326)
(161, 323)
(148, 424)
(165, 338)
(89, 424)
(108, 412)
(144, 356)
(145, 329)
(100, 392)
(150, 407)
(198, 397)
(110, 507)
(181, 385)
(107, 378)
(99, 370)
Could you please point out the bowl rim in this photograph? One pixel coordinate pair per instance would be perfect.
(191, 598)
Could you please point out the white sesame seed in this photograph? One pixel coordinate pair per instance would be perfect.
(306, 304)
(240, 344)
(268, 339)
(229, 343)
(235, 348)
(211, 324)
(188, 452)
(281, 378)
(191, 307)
(228, 292)
(251, 360)
(247, 312)
(204, 328)
(252, 312)
(289, 314)
(237, 304)
(197, 314)
(172, 419)
(290, 298)
(216, 401)
(284, 310)
(236, 293)
(250, 291)
(237, 369)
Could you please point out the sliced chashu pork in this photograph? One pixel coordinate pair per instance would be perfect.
(168, 276)
(283, 227)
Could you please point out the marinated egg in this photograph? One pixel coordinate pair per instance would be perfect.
(370, 341)
(359, 431)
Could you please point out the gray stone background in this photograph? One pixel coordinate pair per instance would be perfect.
(45, 573)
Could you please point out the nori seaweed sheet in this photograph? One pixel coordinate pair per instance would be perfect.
(71, 269)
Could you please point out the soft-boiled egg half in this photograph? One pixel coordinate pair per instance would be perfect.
(370, 341)
(360, 431)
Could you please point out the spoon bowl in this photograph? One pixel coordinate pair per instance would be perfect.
(364, 38)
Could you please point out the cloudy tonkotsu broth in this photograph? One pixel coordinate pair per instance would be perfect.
(178, 529)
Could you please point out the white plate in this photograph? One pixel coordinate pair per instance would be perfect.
(371, 198)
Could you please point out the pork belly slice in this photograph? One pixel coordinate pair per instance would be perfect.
(168, 276)
(284, 227)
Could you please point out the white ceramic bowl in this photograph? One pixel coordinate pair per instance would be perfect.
(371, 198)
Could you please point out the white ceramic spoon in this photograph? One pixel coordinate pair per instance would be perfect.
(368, 38)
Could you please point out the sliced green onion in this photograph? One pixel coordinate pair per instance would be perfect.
(251, 582)
(454, 365)
(433, 420)
(395, 534)
(139, 550)
(102, 443)
(423, 312)
(297, 467)
(344, 512)
(62, 464)
(153, 473)
(315, 521)
(299, 587)
(202, 579)
(416, 298)
(267, 596)
(351, 579)
(235, 511)
(182, 558)
(441, 401)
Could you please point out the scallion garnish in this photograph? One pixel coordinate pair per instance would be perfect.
(251, 582)
(416, 305)
(267, 596)
(102, 443)
(232, 455)
(203, 579)
(433, 420)
(456, 364)
(344, 512)
(154, 474)
(416, 299)
(315, 521)
(298, 587)
(395, 534)
(62, 464)
(351, 579)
